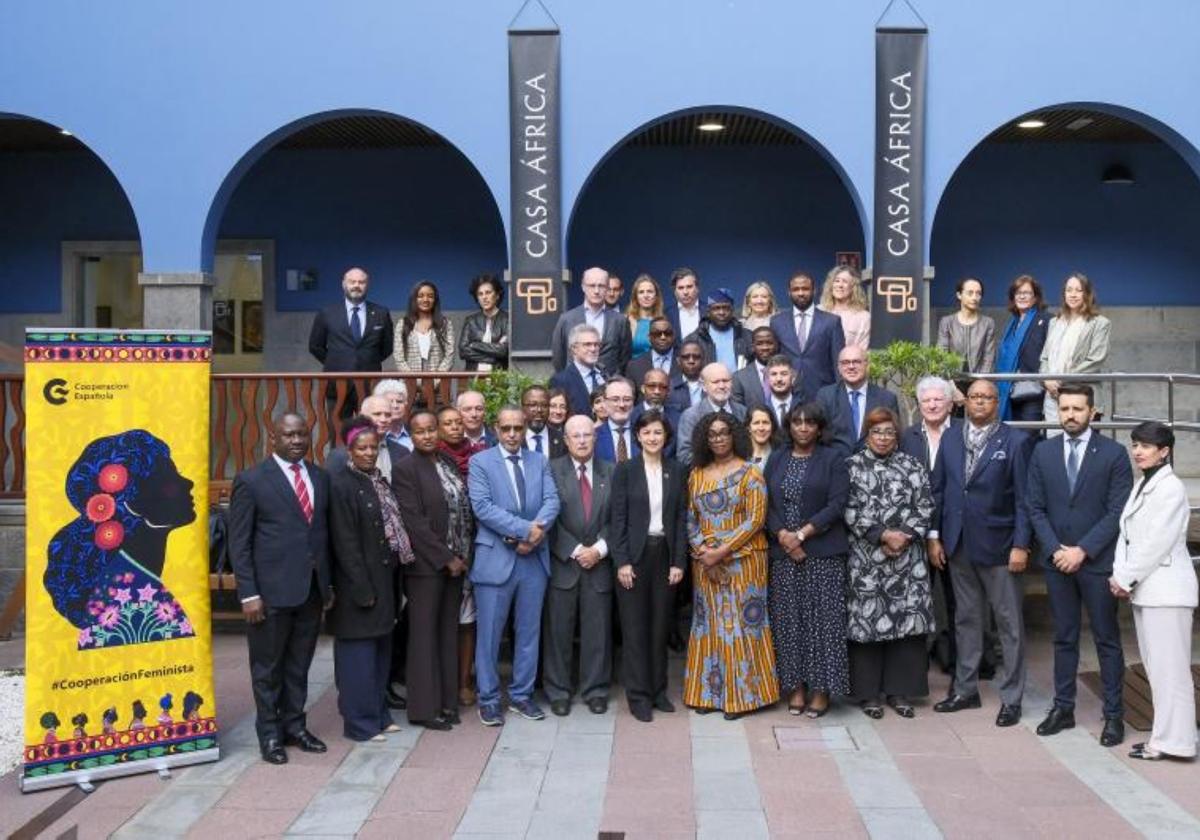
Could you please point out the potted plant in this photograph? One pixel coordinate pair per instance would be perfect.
(902, 364)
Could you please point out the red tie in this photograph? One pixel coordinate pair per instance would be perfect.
(302, 493)
(585, 491)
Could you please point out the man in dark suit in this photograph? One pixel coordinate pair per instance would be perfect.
(685, 312)
(752, 385)
(582, 375)
(848, 402)
(655, 390)
(581, 576)
(351, 335)
(1078, 485)
(810, 337)
(615, 440)
(278, 546)
(660, 356)
(688, 389)
(515, 504)
(981, 530)
(539, 435)
(616, 343)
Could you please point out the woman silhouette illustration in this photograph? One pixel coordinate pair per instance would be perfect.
(104, 573)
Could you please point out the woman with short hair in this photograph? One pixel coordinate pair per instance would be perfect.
(1021, 350)
(890, 600)
(969, 333)
(758, 306)
(483, 345)
(1153, 568)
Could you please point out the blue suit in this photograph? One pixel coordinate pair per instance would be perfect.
(1089, 518)
(579, 394)
(502, 578)
(817, 362)
(606, 447)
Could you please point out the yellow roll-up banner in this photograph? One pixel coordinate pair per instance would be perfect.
(118, 637)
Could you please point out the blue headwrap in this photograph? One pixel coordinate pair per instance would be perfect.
(721, 295)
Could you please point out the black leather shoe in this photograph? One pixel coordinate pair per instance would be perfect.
(306, 741)
(562, 708)
(642, 713)
(452, 718)
(662, 704)
(1113, 732)
(597, 705)
(273, 751)
(1056, 721)
(437, 724)
(394, 700)
(956, 703)
(1009, 715)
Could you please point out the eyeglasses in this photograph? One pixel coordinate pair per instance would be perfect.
(851, 362)
(511, 429)
(883, 433)
(662, 332)
(717, 434)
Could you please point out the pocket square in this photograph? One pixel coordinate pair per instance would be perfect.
(999, 455)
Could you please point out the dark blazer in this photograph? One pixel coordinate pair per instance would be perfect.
(364, 568)
(747, 388)
(630, 516)
(1029, 358)
(616, 342)
(1091, 516)
(836, 402)
(672, 313)
(826, 488)
(680, 396)
(986, 515)
(339, 458)
(331, 344)
(557, 445)
(742, 348)
(572, 529)
(579, 394)
(272, 548)
(426, 514)
(606, 449)
(473, 350)
(912, 440)
(817, 365)
(639, 365)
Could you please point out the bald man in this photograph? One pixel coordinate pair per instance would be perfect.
(717, 382)
(352, 334)
(848, 401)
(616, 342)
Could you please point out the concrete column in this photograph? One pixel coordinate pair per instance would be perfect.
(180, 301)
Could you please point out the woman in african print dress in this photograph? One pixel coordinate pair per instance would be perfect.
(730, 659)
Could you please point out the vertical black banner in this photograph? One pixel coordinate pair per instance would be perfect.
(536, 293)
(898, 256)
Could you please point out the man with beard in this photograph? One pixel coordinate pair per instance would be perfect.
(809, 336)
(717, 386)
(540, 436)
(724, 340)
(351, 335)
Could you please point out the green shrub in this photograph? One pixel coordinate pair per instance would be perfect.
(501, 387)
(902, 364)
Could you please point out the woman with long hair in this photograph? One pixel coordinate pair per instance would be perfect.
(645, 304)
(425, 337)
(843, 296)
(1076, 341)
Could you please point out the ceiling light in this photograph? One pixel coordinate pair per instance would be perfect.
(1082, 122)
(1031, 124)
(711, 126)
(65, 133)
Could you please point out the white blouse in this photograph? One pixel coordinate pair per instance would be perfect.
(654, 481)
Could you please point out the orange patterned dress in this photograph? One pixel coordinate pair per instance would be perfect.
(730, 659)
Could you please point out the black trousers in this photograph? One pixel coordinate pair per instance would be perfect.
(432, 668)
(1069, 595)
(646, 616)
(360, 668)
(899, 667)
(281, 650)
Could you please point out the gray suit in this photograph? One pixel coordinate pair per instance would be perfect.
(689, 419)
(616, 343)
(577, 591)
(747, 388)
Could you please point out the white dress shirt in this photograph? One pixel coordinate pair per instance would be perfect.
(594, 318)
(613, 426)
(586, 372)
(689, 321)
(600, 545)
(510, 470)
(654, 488)
(531, 438)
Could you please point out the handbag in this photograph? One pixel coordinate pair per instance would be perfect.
(1025, 389)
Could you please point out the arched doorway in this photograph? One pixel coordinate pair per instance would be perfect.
(332, 191)
(69, 245)
(1090, 188)
(738, 195)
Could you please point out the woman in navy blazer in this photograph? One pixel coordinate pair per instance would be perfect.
(648, 565)
(807, 487)
(1020, 348)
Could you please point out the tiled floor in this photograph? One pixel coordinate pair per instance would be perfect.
(767, 775)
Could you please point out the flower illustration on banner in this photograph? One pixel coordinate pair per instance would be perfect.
(105, 568)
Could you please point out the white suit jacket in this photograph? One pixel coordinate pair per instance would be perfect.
(1152, 559)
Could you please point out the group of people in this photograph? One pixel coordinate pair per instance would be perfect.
(824, 545)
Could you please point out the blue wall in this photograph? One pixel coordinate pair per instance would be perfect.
(734, 214)
(1041, 209)
(49, 197)
(402, 214)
